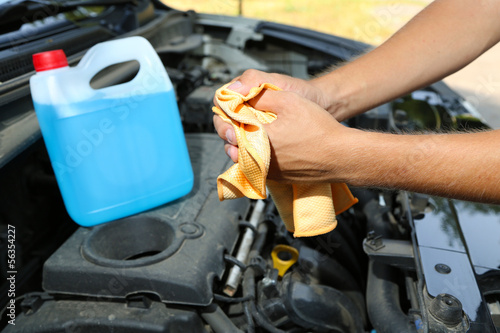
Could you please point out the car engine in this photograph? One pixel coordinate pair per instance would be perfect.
(397, 261)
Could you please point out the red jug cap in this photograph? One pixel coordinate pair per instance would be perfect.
(49, 60)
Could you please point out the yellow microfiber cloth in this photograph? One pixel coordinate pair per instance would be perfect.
(306, 209)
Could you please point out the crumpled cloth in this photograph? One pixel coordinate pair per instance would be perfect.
(306, 209)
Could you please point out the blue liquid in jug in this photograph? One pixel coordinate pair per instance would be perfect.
(116, 157)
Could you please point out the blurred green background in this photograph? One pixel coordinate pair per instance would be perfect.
(369, 21)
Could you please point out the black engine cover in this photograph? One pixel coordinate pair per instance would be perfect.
(104, 317)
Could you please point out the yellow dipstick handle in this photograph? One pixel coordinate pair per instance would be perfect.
(284, 257)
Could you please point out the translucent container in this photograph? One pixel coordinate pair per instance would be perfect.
(115, 151)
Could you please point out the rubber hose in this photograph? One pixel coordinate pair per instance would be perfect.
(382, 290)
(218, 320)
(382, 301)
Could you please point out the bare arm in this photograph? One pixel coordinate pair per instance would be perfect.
(311, 146)
(444, 37)
(319, 149)
(462, 166)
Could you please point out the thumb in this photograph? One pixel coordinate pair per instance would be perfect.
(239, 87)
(272, 100)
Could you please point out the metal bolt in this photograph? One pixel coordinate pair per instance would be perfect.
(447, 309)
(442, 269)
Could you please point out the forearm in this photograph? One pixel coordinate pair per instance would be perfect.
(463, 166)
(443, 38)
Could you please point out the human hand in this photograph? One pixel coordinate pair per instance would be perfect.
(305, 139)
(254, 78)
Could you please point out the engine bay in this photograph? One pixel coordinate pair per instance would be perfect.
(397, 261)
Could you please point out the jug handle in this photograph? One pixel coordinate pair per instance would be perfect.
(108, 53)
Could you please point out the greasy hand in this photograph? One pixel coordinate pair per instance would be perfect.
(304, 138)
(254, 78)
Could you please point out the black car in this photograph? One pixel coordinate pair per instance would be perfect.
(397, 262)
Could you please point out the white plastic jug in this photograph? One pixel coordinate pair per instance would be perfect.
(118, 150)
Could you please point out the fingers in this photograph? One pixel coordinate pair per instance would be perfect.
(242, 84)
(231, 151)
(249, 79)
(268, 100)
(215, 99)
(225, 130)
(226, 133)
